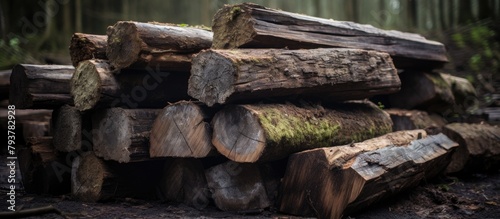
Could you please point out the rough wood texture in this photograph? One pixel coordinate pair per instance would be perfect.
(479, 148)
(183, 180)
(93, 179)
(237, 187)
(43, 170)
(264, 132)
(422, 90)
(36, 124)
(222, 76)
(96, 85)
(249, 25)
(34, 129)
(415, 119)
(122, 134)
(4, 84)
(354, 176)
(182, 129)
(463, 92)
(134, 44)
(40, 86)
(71, 129)
(87, 46)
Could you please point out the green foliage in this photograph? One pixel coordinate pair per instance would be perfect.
(10, 53)
(459, 40)
(381, 105)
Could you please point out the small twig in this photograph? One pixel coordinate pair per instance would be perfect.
(30, 212)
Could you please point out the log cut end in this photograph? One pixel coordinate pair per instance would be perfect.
(124, 44)
(180, 131)
(87, 176)
(241, 138)
(87, 46)
(206, 86)
(111, 135)
(86, 84)
(228, 30)
(67, 129)
(19, 91)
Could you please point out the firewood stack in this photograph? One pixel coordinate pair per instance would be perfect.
(268, 111)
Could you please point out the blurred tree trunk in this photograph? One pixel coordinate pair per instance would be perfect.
(351, 8)
(485, 9)
(465, 11)
(412, 13)
(3, 34)
(78, 16)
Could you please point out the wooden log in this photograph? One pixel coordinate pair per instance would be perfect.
(463, 91)
(4, 84)
(182, 129)
(169, 47)
(122, 134)
(71, 129)
(422, 90)
(40, 86)
(43, 169)
(183, 180)
(264, 132)
(223, 76)
(36, 124)
(96, 85)
(249, 25)
(35, 129)
(479, 149)
(237, 187)
(350, 177)
(87, 46)
(93, 179)
(415, 119)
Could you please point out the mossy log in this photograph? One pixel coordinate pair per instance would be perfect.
(71, 129)
(40, 86)
(264, 132)
(182, 129)
(164, 46)
(87, 46)
(415, 119)
(479, 148)
(249, 25)
(224, 76)
(327, 182)
(122, 134)
(96, 85)
(93, 179)
(183, 180)
(423, 90)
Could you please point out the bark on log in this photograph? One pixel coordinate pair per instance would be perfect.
(183, 180)
(4, 84)
(222, 76)
(43, 169)
(421, 90)
(168, 47)
(237, 187)
(40, 119)
(71, 129)
(182, 129)
(122, 134)
(34, 129)
(479, 148)
(93, 179)
(87, 46)
(351, 177)
(96, 85)
(251, 133)
(40, 86)
(415, 119)
(249, 25)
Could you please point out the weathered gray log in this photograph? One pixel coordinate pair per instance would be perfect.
(237, 187)
(96, 85)
(249, 25)
(93, 179)
(183, 180)
(182, 129)
(415, 119)
(327, 182)
(164, 46)
(122, 134)
(223, 76)
(87, 46)
(40, 86)
(423, 90)
(71, 129)
(264, 132)
(479, 148)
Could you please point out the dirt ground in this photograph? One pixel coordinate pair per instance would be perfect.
(476, 196)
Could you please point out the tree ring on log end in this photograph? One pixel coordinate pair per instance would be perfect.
(211, 71)
(86, 86)
(112, 135)
(238, 134)
(87, 178)
(124, 44)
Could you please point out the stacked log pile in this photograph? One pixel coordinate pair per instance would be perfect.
(240, 117)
